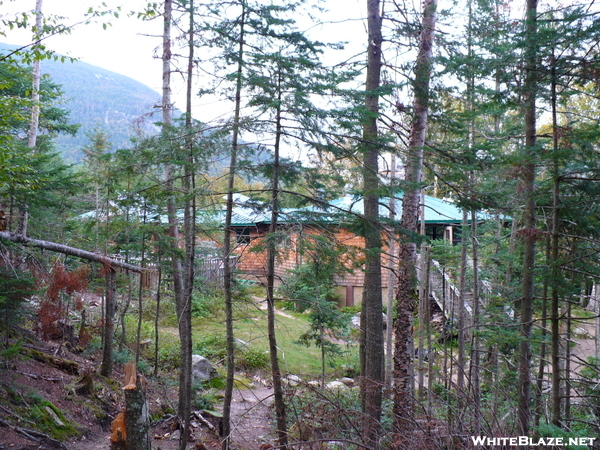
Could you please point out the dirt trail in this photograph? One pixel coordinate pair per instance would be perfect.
(251, 418)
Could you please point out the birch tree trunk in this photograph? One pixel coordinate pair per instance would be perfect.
(35, 109)
(108, 329)
(67, 250)
(37, 75)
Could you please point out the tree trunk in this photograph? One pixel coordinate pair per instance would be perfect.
(37, 75)
(596, 291)
(528, 232)
(35, 108)
(406, 295)
(110, 302)
(227, 268)
(539, 394)
(280, 410)
(156, 319)
(189, 223)
(555, 268)
(475, 358)
(176, 263)
(462, 327)
(137, 417)
(389, 328)
(372, 370)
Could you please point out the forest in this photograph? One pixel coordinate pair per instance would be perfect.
(420, 214)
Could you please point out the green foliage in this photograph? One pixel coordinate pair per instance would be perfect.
(213, 347)
(15, 288)
(33, 179)
(550, 430)
(169, 354)
(11, 351)
(591, 387)
(320, 415)
(93, 347)
(253, 359)
(32, 406)
(206, 304)
(313, 280)
(123, 357)
(205, 397)
(323, 317)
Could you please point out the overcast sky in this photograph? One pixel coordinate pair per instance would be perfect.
(128, 45)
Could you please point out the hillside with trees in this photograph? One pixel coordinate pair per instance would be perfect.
(99, 100)
(422, 274)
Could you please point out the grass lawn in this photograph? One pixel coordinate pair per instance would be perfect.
(251, 327)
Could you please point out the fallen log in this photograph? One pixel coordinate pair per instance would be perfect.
(66, 250)
(66, 365)
(35, 436)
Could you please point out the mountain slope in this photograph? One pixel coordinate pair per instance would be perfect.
(99, 99)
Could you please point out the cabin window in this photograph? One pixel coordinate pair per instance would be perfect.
(242, 236)
(435, 232)
(449, 233)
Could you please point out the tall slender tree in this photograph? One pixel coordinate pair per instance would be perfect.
(530, 87)
(371, 351)
(177, 269)
(228, 282)
(406, 294)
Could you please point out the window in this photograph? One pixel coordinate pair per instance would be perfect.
(242, 236)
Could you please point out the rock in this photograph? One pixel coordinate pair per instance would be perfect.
(242, 343)
(292, 380)
(348, 381)
(54, 417)
(242, 382)
(202, 369)
(355, 321)
(581, 333)
(335, 385)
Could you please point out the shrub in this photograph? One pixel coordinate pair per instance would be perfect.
(213, 347)
(15, 288)
(169, 353)
(252, 359)
(206, 304)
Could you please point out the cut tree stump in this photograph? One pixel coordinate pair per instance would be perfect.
(131, 428)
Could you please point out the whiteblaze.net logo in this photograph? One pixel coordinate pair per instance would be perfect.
(526, 441)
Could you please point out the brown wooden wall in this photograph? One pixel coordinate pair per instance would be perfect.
(253, 259)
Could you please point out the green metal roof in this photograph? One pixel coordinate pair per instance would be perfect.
(336, 211)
